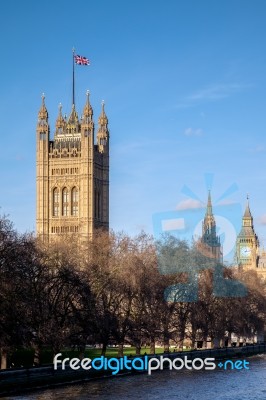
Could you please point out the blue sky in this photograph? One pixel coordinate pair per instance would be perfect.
(184, 84)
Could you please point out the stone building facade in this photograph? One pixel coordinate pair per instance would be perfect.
(72, 175)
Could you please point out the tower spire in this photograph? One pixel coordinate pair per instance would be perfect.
(247, 213)
(87, 111)
(103, 133)
(43, 113)
(209, 224)
(209, 204)
(103, 120)
(210, 242)
(87, 125)
(60, 122)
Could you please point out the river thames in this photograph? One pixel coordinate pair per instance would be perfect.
(193, 385)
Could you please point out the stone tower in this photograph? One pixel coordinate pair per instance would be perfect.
(72, 174)
(209, 243)
(247, 244)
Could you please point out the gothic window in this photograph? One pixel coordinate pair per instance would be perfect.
(55, 202)
(74, 201)
(42, 136)
(97, 204)
(65, 202)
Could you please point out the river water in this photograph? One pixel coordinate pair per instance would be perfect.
(193, 385)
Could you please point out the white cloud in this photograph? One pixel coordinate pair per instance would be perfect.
(258, 149)
(262, 219)
(216, 92)
(193, 132)
(211, 93)
(227, 202)
(189, 204)
(173, 224)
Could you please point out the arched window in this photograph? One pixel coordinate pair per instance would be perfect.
(74, 202)
(65, 202)
(56, 202)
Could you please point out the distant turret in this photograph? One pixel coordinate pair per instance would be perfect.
(60, 125)
(103, 133)
(43, 128)
(210, 244)
(87, 125)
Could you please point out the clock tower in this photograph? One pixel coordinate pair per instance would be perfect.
(247, 245)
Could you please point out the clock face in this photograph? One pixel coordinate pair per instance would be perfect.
(245, 251)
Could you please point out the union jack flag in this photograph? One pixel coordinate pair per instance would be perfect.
(81, 60)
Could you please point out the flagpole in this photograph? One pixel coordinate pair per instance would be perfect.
(73, 77)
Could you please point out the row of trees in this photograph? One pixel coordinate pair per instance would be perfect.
(114, 290)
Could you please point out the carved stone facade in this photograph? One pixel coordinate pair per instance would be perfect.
(72, 174)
